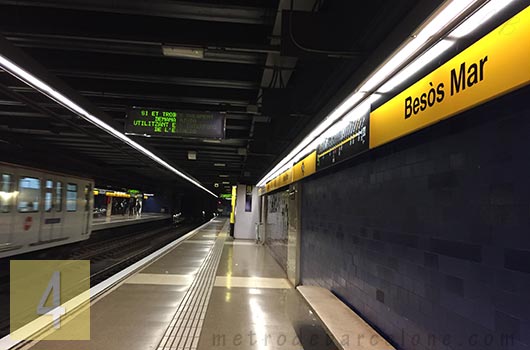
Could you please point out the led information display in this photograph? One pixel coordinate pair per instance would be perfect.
(172, 123)
(346, 143)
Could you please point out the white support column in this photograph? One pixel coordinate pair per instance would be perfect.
(247, 212)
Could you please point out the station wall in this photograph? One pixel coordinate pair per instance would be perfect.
(159, 204)
(276, 226)
(428, 237)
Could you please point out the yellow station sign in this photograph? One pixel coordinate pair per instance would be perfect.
(301, 169)
(305, 167)
(494, 65)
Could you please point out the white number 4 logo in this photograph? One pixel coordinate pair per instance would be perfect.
(56, 310)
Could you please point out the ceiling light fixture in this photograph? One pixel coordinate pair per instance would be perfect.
(416, 65)
(183, 52)
(482, 15)
(55, 95)
(434, 25)
(426, 43)
(211, 141)
(219, 164)
(192, 155)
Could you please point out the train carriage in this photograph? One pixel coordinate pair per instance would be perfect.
(42, 209)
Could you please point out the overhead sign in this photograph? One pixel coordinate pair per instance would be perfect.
(173, 123)
(305, 167)
(346, 143)
(281, 180)
(496, 64)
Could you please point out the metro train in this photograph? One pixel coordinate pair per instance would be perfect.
(42, 209)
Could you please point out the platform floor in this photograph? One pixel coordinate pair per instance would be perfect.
(105, 222)
(209, 292)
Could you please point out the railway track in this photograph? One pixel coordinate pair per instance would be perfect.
(108, 254)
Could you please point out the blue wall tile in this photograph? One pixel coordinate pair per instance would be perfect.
(428, 237)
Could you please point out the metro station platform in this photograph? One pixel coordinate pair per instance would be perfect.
(113, 221)
(207, 292)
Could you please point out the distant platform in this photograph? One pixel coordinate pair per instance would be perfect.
(104, 222)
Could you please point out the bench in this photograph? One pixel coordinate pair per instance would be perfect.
(347, 330)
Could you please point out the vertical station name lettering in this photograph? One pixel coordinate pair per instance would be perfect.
(461, 78)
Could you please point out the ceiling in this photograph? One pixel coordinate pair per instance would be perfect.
(274, 73)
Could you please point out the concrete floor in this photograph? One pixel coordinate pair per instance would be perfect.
(209, 292)
(253, 306)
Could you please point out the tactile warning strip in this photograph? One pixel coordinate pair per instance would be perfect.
(185, 328)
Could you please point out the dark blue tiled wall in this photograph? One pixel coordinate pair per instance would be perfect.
(428, 237)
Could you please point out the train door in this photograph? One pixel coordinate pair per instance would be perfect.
(50, 220)
(87, 207)
(46, 226)
(28, 211)
(7, 196)
(58, 200)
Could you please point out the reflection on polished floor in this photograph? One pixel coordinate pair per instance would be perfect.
(209, 292)
(253, 306)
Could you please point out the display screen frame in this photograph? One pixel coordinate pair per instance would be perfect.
(164, 122)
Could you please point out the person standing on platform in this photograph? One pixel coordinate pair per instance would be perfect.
(139, 206)
(130, 206)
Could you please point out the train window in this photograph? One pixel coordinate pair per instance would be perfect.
(71, 197)
(29, 194)
(6, 193)
(48, 200)
(59, 196)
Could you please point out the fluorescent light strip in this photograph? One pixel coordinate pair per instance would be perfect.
(359, 111)
(416, 65)
(437, 23)
(298, 150)
(38, 84)
(479, 17)
(311, 145)
(444, 18)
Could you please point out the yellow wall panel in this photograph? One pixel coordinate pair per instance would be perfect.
(305, 167)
